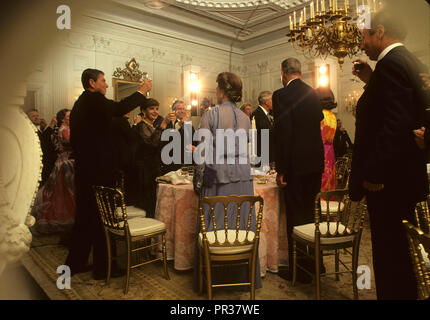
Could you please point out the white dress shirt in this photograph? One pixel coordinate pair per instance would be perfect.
(291, 81)
(388, 49)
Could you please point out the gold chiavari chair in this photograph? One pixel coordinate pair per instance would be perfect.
(134, 232)
(132, 211)
(419, 245)
(343, 168)
(422, 216)
(228, 246)
(332, 231)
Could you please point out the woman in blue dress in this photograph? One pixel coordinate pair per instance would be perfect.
(229, 178)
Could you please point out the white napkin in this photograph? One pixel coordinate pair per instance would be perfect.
(175, 177)
(260, 171)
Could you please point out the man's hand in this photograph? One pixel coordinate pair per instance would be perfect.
(419, 137)
(145, 86)
(372, 187)
(53, 122)
(137, 119)
(43, 124)
(171, 117)
(365, 73)
(280, 181)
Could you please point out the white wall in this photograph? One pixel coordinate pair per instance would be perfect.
(106, 46)
(108, 43)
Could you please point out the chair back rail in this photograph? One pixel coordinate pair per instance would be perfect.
(109, 200)
(416, 238)
(343, 168)
(422, 216)
(347, 219)
(226, 201)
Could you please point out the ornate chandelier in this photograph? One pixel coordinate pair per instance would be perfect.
(330, 30)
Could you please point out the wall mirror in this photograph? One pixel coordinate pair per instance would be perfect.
(126, 81)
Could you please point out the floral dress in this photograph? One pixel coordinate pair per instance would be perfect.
(55, 207)
(328, 130)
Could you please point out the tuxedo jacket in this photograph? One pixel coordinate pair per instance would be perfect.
(263, 122)
(341, 143)
(181, 131)
(298, 114)
(125, 140)
(391, 107)
(49, 153)
(91, 134)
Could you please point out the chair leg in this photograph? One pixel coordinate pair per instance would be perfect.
(336, 263)
(127, 277)
(354, 271)
(294, 262)
(252, 276)
(109, 256)
(317, 273)
(200, 272)
(208, 276)
(166, 273)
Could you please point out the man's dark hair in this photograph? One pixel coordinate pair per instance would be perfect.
(90, 74)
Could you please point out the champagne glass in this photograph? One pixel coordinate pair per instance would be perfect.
(146, 76)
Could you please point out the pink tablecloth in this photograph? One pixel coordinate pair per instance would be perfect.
(177, 207)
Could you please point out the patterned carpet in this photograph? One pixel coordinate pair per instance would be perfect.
(147, 282)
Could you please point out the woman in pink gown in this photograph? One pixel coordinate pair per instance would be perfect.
(328, 130)
(54, 206)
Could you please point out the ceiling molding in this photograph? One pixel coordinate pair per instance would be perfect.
(238, 21)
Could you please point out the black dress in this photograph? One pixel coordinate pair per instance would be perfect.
(148, 161)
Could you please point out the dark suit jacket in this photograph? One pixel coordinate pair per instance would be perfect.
(298, 114)
(91, 134)
(341, 143)
(263, 122)
(49, 154)
(391, 106)
(125, 140)
(173, 167)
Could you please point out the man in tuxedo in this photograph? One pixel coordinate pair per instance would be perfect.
(341, 142)
(263, 120)
(49, 155)
(95, 164)
(181, 117)
(299, 152)
(388, 167)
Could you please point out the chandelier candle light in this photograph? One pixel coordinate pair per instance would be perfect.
(327, 32)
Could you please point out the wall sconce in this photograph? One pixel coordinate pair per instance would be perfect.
(323, 75)
(191, 87)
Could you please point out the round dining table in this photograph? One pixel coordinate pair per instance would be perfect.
(177, 207)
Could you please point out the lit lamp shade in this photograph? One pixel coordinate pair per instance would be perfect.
(323, 75)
